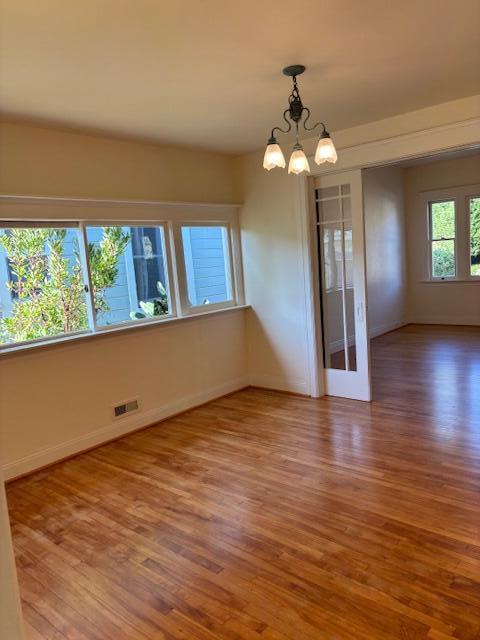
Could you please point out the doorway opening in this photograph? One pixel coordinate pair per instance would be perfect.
(398, 269)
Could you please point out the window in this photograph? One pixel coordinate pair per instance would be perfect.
(148, 261)
(333, 256)
(206, 256)
(442, 239)
(335, 232)
(453, 234)
(42, 291)
(128, 272)
(63, 278)
(335, 259)
(474, 233)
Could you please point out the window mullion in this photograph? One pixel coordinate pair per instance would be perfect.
(87, 276)
(174, 266)
(462, 239)
(230, 265)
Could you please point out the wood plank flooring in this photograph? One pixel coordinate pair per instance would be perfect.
(264, 516)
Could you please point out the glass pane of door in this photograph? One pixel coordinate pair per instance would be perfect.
(334, 228)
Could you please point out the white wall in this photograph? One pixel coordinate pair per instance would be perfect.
(11, 624)
(46, 161)
(383, 193)
(437, 303)
(273, 269)
(57, 400)
(72, 387)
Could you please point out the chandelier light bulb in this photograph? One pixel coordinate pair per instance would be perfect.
(298, 160)
(273, 156)
(326, 151)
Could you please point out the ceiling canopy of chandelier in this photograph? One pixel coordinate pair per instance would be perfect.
(296, 113)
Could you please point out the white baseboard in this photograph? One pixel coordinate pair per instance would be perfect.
(453, 320)
(373, 332)
(121, 427)
(337, 345)
(279, 383)
(380, 329)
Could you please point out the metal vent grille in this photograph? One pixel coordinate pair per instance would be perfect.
(126, 407)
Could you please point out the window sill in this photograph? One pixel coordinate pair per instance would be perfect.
(452, 281)
(54, 342)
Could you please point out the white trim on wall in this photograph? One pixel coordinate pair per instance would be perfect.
(119, 427)
(461, 135)
(464, 321)
(81, 213)
(17, 206)
(381, 329)
(280, 383)
(424, 143)
(373, 332)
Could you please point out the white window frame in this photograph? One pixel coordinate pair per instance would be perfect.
(460, 195)
(53, 224)
(37, 211)
(172, 305)
(187, 308)
(467, 212)
(432, 240)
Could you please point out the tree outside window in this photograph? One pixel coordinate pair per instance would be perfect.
(474, 207)
(47, 285)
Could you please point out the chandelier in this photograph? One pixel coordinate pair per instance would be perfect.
(293, 114)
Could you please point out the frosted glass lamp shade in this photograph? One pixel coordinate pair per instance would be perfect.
(273, 156)
(326, 151)
(298, 160)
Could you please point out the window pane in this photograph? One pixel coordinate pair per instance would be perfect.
(147, 246)
(346, 209)
(329, 210)
(443, 219)
(331, 237)
(205, 251)
(327, 192)
(42, 290)
(128, 273)
(443, 258)
(474, 207)
(335, 244)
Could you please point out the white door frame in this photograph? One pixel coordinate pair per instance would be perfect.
(427, 142)
(345, 382)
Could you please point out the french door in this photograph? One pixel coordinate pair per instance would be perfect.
(339, 223)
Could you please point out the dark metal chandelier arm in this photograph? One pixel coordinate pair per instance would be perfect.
(289, 125)
(315, 125)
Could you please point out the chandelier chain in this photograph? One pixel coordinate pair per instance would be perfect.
(295, 113)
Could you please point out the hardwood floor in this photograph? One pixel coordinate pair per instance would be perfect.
(273, 517)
